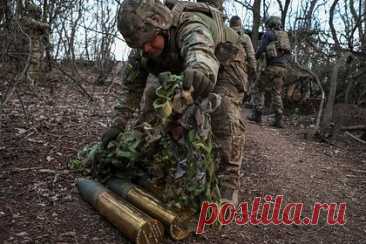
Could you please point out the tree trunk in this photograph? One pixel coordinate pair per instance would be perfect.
(328, 113)
(284, 10)
(309, 15)
(363, 38)
(19, 9)
(256, 22)
(2, 10)
(46, 37)
(284, 13)
(348, 91)
(331, 25)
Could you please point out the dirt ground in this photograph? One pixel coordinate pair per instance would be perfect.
(41, 132)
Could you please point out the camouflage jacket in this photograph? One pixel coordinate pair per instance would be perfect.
(249, 49)
(191, 42)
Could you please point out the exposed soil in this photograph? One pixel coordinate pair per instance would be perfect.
(40, 204)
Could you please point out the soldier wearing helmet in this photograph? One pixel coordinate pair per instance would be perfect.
(235, 24)
(188, 38)
(275, 45)
(37, 30)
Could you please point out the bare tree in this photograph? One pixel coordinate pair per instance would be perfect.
(284, 7)
(331, 25)
(256, 22)
(328, 113)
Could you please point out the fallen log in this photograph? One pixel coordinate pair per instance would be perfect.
(354, 127)
(355, 137)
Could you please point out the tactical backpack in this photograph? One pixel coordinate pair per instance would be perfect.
(280, 46)
(221, 33)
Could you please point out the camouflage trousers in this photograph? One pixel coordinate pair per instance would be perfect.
(228, 130)
(35, 68)
(271, 78)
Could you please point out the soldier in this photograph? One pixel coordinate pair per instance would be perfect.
(235, 23)
(187, 38)
(276, 46)
(36, 30)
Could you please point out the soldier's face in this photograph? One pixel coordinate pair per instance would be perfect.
(154, 47)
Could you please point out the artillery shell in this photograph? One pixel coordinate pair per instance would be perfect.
(135, 224)
(152, 206)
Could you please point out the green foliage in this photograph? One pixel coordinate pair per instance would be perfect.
(182, 167)
(75, 164)
(125, 148)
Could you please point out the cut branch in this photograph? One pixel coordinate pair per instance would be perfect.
(355, 137)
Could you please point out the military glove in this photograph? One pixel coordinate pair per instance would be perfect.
(201, 84)
(110, 135)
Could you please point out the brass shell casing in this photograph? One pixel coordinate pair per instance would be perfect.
(132, 222)
(152, 206)
(136, 225)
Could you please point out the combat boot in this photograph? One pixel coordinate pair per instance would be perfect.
(278, 122)
(255, 116)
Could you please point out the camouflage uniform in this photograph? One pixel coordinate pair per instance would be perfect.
(219, 4)
(273, 76)
(36, 29)
(196, 40)
(235, 24)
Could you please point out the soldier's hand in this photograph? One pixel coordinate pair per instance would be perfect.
(110, 135)
(201, 84)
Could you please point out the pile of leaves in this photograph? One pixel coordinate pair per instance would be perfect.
(172, 157)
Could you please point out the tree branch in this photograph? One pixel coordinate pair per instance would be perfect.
(331, 25)
(244, 4)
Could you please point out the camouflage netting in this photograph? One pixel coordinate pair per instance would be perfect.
(173, 158)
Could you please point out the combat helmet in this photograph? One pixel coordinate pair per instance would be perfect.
(235, 23)
(274, 22)
(138, 23)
